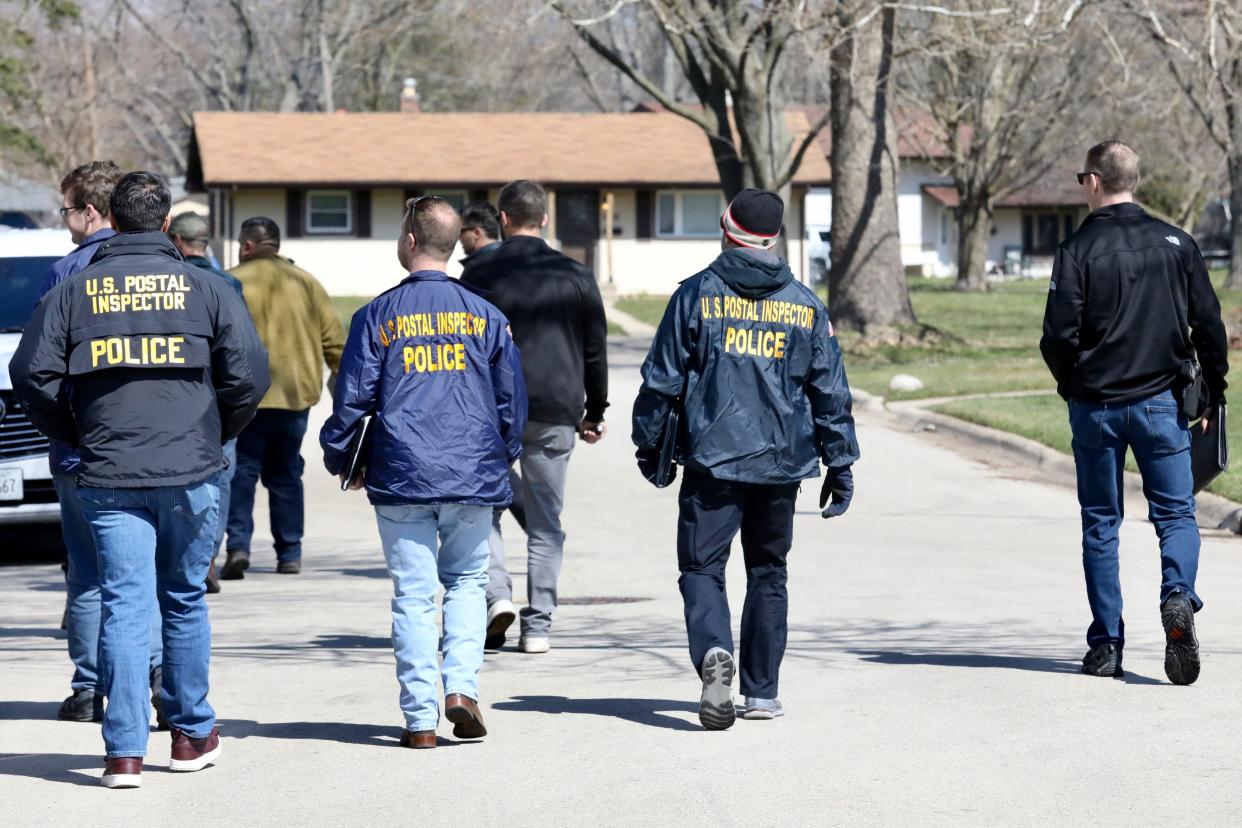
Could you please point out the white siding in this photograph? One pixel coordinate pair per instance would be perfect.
(365, 267)
(917, 221)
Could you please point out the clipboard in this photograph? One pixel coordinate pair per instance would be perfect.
(357, 452)
(1209, 451)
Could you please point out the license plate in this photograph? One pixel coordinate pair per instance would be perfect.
(11, 484)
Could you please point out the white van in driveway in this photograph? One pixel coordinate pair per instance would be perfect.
(26, 491)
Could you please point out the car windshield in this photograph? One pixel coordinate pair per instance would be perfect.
(20, 278)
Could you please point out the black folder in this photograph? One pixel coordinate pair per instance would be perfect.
(1209, 451)
(668, 446)
(357, 452)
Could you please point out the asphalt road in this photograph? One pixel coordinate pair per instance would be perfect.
(931, 677)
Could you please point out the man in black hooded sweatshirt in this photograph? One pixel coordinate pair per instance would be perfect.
(750, 356)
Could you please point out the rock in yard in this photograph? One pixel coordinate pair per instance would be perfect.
(905, 382)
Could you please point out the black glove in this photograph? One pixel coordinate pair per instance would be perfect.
(649, 465)
(839, 483)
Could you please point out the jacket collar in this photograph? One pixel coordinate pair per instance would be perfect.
(520, 241)
(427, 276)
(138, 243)
(486, 250)
(95, 238)
(1125, 209)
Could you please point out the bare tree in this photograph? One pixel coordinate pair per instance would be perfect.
(1202, 45)
(999, 83)
(733, 58)
(867, 284)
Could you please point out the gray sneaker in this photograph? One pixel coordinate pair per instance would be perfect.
(763, 708)
(716, 710)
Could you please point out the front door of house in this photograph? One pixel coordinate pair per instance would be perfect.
(577, 224)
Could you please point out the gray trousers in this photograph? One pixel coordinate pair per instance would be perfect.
(541, 490)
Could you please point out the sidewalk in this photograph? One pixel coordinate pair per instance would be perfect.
(931, 677)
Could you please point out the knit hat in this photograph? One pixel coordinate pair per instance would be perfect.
(190, 226)
(753, 218)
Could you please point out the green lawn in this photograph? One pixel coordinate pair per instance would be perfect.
(347, 305)
(649, 309)
(1046, 420)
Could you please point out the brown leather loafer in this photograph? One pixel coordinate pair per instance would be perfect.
(464, 713)
(418, 739)
(122, 772)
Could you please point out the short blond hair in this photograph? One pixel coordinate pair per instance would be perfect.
(1117, 165)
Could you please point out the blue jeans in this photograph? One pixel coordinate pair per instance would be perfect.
(226, 486)
(418, 569)
(270, 449)
(154, 541)
(82, 582)
(1159, 436)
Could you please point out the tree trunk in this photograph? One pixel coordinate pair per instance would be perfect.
(1235, 220)
(974, 227)
(867, 284)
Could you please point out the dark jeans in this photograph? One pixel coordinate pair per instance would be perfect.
(1159, 437)
(270, 450)
(711, 513)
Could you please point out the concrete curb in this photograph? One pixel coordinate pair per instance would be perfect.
(631, 325)
(1214, 511)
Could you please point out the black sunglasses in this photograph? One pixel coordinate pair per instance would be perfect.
(1082, 176)
(65, 211)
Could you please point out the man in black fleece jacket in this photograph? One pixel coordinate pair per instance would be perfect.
(557, 315)
(1130, 308)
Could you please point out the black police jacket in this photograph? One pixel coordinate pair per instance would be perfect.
(144, 362)
(558, 322)
(765, 393)
(1129, 303)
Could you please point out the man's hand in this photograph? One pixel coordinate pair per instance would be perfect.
(649, 465)
(592, 432)
(1206, 421)
(839, 485)
(355, 484)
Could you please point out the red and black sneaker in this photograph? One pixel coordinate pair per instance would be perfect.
(122, 772)
(189, 754)
(1181, 647)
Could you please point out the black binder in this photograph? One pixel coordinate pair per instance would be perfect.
(668, 445)
(357, 452)
(1209, 451)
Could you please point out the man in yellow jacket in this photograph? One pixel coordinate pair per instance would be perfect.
(301, 331)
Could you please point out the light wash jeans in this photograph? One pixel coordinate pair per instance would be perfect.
(153, 541)
(82, 582)
(418, 567)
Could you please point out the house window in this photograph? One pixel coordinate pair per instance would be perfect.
(329, 211)
(1042, 232)
(455, 197)
(690, 214)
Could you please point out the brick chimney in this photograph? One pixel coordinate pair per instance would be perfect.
(409, 96)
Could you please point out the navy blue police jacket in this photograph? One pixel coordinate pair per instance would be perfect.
(765, 394)
(437, 367)
(164, 362)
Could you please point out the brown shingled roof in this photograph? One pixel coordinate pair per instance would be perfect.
(473, 148)
(1056, 188)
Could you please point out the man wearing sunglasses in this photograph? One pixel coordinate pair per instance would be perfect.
(1131, 314)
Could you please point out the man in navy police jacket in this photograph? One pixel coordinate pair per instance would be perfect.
(436, 366)
(750, 355)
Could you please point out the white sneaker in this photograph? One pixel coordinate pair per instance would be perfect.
(757, 708)
(716, 710)
(534, 644)
(500, 616)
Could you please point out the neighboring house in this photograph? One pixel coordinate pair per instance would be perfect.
(1027, 225)
(635, 196)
